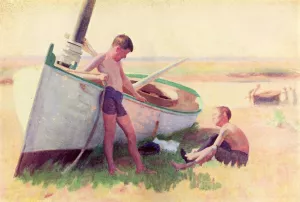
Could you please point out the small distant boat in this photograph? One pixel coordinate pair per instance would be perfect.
(267, 97)
(264, 97)
(63, 114)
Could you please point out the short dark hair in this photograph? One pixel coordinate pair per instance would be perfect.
(226, 110)
(123, 41)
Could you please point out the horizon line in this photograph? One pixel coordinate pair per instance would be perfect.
(170, 58)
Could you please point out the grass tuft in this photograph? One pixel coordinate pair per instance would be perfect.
(88, 173)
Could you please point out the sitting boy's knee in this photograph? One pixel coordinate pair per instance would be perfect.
(214, 147)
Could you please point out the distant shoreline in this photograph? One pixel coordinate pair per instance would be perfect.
(167, 59)
(209, 69)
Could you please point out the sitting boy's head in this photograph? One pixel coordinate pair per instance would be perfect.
(221, 115)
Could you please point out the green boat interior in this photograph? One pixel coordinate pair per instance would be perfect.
(168, 96)
(165, 95)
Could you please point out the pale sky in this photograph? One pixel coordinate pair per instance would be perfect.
(174, 28)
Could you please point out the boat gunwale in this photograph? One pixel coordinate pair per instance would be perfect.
(50, 60)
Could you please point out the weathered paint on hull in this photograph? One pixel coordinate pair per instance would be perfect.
(63, 114)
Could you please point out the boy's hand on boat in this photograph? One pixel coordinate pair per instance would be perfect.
(140, 98)
(103, 77)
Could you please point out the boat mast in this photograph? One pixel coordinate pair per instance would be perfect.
(72, 52)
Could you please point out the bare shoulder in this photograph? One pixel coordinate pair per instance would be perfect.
(229, 128)
(235, 129)
(101, 57)
(232, 126)
(225, 130)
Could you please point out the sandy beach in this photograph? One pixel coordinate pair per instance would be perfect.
(271, 175)
(232, 46)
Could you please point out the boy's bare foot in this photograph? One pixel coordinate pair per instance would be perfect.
(116, 171)
(175, 165)
(145, 171)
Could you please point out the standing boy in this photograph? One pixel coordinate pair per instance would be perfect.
(113, 110)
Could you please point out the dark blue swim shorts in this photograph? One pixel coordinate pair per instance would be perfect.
(112, 103)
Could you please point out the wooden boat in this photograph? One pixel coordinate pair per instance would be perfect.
(264, 97)
(65, 107)
(267, 97)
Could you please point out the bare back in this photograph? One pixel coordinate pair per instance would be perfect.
(112, 69)
(236, 138)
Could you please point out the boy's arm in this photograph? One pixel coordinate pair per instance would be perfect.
(128, 85)
(88, 75)
(94, 63)
(98, 58)
(221, 137)
(210, 151)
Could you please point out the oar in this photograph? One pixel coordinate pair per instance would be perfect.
(155, 75)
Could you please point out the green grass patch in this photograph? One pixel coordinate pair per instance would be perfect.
(278, 118)
(88, 172)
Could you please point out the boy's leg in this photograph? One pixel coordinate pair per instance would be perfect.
(110, 130)
(209, 142)
(199, 158)
(126, 125)
(183, 153)
(182, 166)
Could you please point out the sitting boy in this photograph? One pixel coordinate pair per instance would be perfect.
(231, 145)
